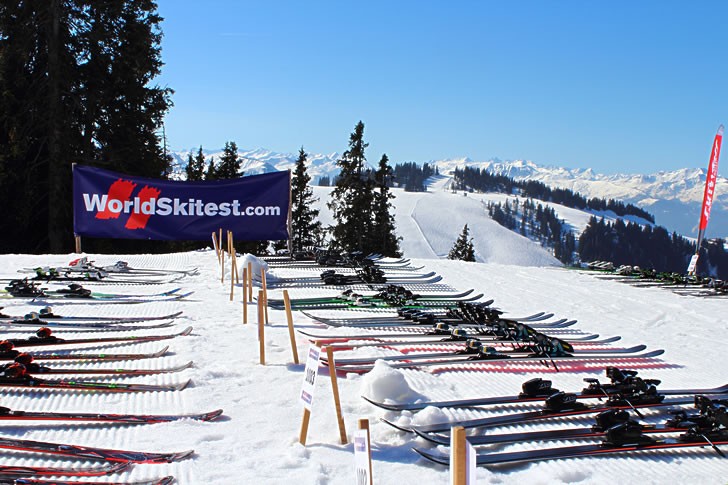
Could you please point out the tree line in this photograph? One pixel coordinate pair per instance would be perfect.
(649, 247)
(76, 86)
(536, 222)
(482, 180)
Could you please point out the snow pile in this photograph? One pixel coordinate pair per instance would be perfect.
(386, 384)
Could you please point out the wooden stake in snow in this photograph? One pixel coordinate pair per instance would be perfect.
(261, 327)
(250, 281)
(245, 295)
(265, 294)
(78, 243)
(462, 458)
(215, 246)
(335, 389)
(291, 331)
(363, 454)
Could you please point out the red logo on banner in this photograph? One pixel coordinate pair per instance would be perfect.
(120, 190)
(138, 220)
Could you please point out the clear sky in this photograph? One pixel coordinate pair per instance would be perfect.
(618, 86)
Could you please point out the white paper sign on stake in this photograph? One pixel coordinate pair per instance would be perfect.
(361, 457)
(693, 263)
(309, 375)
(471, 460)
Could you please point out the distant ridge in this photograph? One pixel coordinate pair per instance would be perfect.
(673, 197)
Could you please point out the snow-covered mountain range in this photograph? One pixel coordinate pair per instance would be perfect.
(674, 197)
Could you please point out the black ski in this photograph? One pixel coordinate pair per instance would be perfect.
(95, 471)
(30, 481)
(582, 451)
(37, 383)
(91, 452)
(13, 354)
(51, 340)
(571, 408)
(12, 415)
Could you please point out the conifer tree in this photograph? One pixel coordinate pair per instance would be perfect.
(211, 172)
(463, 248)
(229, 166)
(351, 200)
(384, 240)
(195, 168)
(305, 228)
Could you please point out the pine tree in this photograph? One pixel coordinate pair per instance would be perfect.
(463, 248)
(305, 229)
(195, 168)
(384, 240)
(211, 172)
(229, 166)
(351, 200)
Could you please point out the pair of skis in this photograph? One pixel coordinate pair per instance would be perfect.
(619, 433)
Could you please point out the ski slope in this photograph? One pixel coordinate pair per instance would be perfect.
(430, 222)
(256, 440)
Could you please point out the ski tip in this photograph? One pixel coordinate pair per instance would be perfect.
(161, 352)
(186, 331)
(183, 385)
(440, 459)
(212, 415)
(396, 426)
(173, 457)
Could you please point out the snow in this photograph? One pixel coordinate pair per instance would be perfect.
(256, 441)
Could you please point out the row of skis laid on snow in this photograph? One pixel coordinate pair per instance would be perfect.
(467, 333)
(449, 330)
(29, 364)
(616, 407)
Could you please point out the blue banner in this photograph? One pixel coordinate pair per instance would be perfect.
(109, 204)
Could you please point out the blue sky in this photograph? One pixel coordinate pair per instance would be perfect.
(619, 86)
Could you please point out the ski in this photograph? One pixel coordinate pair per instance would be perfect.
(46, 314)
(411, 320)
(435, 338)
(555, 407)
(91, 452)
(496, 358)
(680, 422)
(446, 355)
(368, 305)
(97, 299)
(605, 448)
(37, 383)
(538, 390)
(29, 481)
(35, 369)
(76, 291)
(13, 415)
(13, 354)
(89, 327)
(349, 296)
(95, 471)
(51, 340)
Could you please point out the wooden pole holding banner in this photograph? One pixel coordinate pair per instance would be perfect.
(291, 331)
(335, 389)
(364, 425)
(458, 456)
(77, 239)
(245, 295)
(261, 327)
(265, 294)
